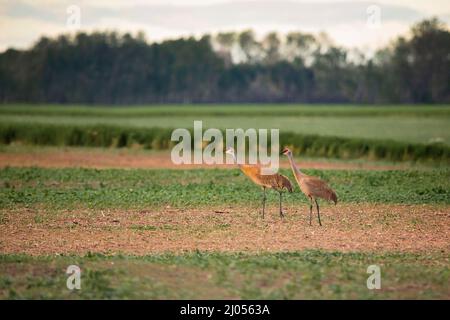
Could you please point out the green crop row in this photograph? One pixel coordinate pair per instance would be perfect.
(312, 274)
(159, 139)
(120, 188)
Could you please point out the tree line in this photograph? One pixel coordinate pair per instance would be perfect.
(112, 68)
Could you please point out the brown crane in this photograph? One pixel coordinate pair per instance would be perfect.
(276, 181)
(312, 187)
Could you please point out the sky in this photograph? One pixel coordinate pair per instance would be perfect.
(366, 25)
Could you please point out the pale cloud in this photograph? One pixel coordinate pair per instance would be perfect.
(367, 39)
(24, 21)
(22, 32)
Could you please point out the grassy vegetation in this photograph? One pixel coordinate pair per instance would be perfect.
(159, 138)
(418, 125)
(295, 275)
(393, 133)
(68, 188)
(388, 133)
(227, 110)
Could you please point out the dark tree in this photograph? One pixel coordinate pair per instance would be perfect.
(109, 68)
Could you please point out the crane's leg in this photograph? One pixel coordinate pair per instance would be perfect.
(318, 212)
(310, 211)
(264, 202)
(281, 209)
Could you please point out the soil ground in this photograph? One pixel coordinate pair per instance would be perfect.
(346, 227)
(102, 159)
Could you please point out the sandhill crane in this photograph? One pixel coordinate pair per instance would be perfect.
(311, 186)
(275, 181)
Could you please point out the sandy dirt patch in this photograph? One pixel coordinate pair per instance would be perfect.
(128, 159)
(349, 227)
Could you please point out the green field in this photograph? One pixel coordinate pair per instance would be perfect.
(394, 128)
(48, 195)
(418, 124)
(71, 188)
(392, 133)
(217, 110)
(301, 275)
(198, 233)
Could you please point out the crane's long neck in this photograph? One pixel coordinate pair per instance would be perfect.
(294, 167)
(235, 160)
